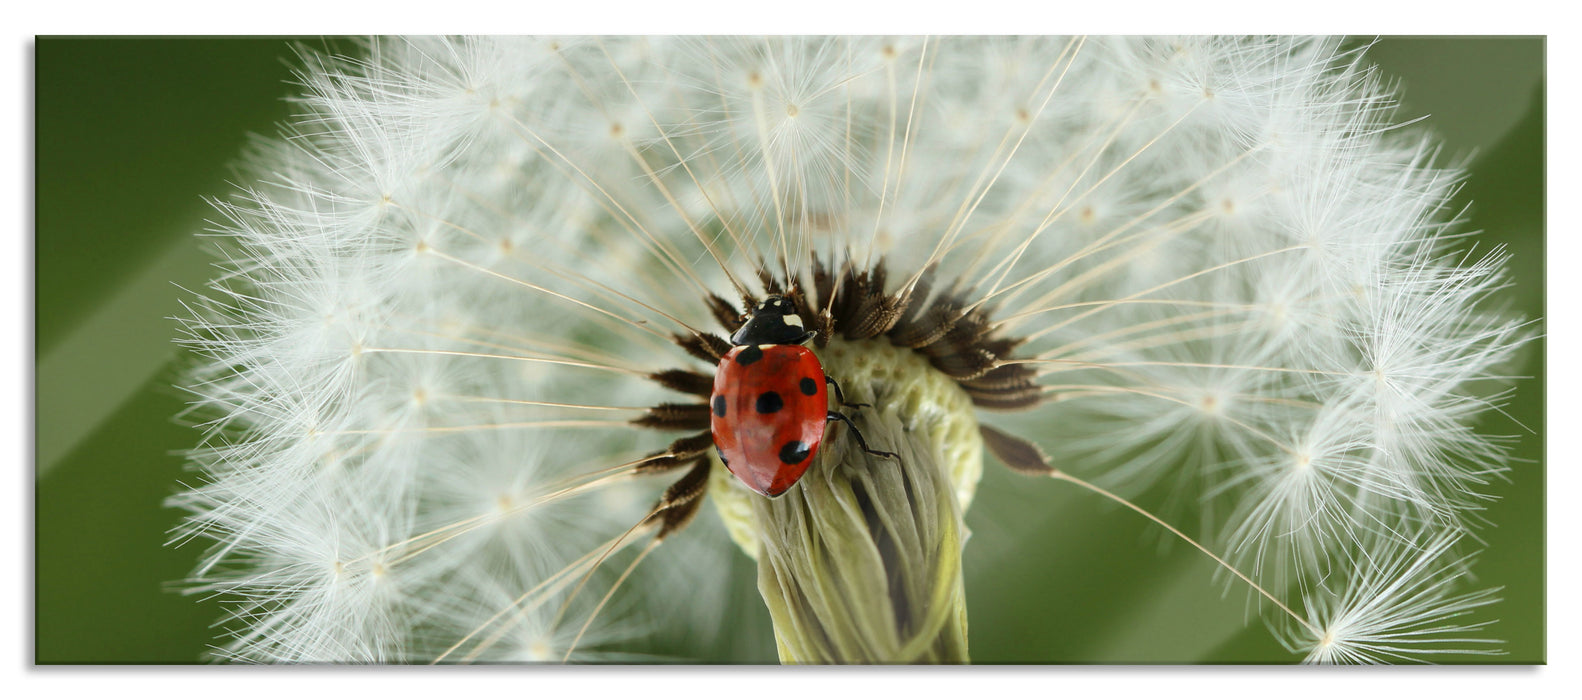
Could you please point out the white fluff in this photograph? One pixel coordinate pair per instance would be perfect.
(1234, 274)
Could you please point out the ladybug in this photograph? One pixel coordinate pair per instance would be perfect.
(769, 406)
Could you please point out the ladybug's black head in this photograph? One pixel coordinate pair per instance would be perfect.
(773, 322)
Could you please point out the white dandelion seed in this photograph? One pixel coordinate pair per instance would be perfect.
(452, 297)
(1399, 606)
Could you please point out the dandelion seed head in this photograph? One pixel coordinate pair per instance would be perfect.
(1207, 265)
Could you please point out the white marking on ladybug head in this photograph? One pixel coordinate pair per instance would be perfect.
(792, 320)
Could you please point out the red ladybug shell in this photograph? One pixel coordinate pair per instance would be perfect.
(769, 410)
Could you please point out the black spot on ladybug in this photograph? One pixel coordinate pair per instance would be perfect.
(749, 355)
(719, 406)
(770, 402)
(808, 386)
(793, 452)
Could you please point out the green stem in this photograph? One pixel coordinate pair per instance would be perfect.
(861, 562)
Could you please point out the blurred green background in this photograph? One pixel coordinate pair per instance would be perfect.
(132, 133)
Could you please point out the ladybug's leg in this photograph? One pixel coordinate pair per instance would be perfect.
(842, 397)
(858, 434)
